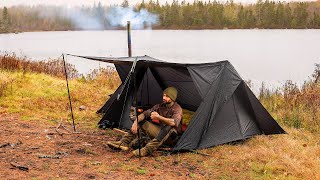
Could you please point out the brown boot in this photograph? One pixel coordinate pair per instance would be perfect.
(148, 149)
(123, 144)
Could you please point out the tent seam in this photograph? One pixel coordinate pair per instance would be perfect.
(255, 120)
(235, 111)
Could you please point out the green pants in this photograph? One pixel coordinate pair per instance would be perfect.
(164, 134)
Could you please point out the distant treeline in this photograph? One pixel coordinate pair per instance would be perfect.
(176, 15)
(217, 15)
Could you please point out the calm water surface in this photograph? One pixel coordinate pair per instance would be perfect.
(272, 56)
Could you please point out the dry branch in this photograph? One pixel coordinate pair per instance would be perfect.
(49, 156)
(23, 168)
(4, 145)
(119, 130)
(66, 129)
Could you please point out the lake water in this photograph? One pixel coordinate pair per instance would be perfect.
(270, 56)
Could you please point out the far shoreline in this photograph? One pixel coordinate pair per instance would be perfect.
(157, 29)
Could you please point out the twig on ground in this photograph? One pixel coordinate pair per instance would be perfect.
(66, 129)
(33, 148)
(60, 125)
(16, 144)
(13, 145)
(197, 152)
(119, 130)
(165, 149)
(23, 168)
(4, 145)
(49, 156)
(58, 155)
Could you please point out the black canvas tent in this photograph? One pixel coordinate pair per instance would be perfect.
(225, 108)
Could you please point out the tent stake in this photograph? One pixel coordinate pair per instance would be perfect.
(70, 103)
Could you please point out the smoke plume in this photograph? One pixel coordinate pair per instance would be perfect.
(118, 16)
(99, 18)
(83, 20)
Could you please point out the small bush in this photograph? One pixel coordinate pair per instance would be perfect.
(3, 88)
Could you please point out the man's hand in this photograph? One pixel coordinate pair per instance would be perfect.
(155, 115)
(134, 127)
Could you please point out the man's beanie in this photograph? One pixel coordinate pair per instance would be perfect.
(171, 92)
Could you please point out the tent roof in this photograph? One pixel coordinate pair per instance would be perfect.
(123, 60)
(141, 59)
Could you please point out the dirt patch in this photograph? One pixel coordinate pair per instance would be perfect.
(36, 150)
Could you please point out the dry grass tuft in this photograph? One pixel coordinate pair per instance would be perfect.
(37, 90)
(291, 156)
(294, 106)
(54, 67)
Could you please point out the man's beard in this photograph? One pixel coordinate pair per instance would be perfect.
(166, 102)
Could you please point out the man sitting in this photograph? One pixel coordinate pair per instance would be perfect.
(163, 128)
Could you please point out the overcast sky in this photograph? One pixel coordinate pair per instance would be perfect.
(91, 2)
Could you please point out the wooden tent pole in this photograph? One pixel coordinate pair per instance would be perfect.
(70, 103)
(135, 104)
(134, 83)
(129, 39)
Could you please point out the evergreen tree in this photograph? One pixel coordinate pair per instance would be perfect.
(241, 17)
(142, 5)
(316, 20)
(280, 16)
(230, 15)
(259, 13)
(5, 25)
(287, 16)
(100, 15)
(125, 4)
(301, 15)
(187, 15)
(164, 16)
(251, 20)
